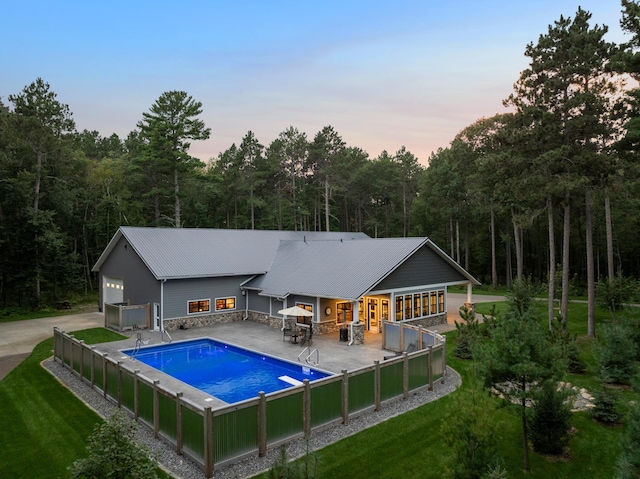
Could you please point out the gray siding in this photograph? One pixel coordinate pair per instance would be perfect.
(258, 303)
(423, 268)
(140, 286)
(178, 292)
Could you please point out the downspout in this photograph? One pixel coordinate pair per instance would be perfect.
(162, 305)
(246, 304)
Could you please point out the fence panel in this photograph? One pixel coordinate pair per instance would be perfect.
(167, 407)
(145, 402)
(361, 391)
(112, 316)
(410, 338)
(235, 432)
(391, 336)
(418, 371)
(135, 317)
(326, 402)
(112, 380)
(438, 366)
(428, 339)
(284, 417)
(87, 354)
(391, 379)
(59, 340)
(98, 371)
(192, 432)
(76, 351)
(128, 399)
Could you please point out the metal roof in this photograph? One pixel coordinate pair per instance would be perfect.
(172, 253)
(334, 269)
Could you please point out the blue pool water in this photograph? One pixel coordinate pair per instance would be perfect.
(227, 372)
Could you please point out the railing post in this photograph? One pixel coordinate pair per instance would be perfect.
(262, 424)
(444, 360)
(71, 338)
(306, 412)
(376, 383)
(345, 397)
(93, 367)
(55, 343)
(178, 424)
(208, 442)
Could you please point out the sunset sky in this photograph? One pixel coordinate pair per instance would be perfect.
(384, 74)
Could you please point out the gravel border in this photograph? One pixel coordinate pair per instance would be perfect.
(183, 468)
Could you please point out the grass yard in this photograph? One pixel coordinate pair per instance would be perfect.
(44, 426)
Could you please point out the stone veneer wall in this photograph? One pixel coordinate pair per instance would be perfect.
(205, 320)
(430, 321)
(324, 327)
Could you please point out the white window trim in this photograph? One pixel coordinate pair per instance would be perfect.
(235, 303)
(197, 301)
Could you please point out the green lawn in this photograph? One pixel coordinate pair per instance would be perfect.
(44, 426)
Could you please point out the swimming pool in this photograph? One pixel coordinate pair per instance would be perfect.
(227, 372)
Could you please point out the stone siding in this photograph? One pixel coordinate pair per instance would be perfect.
(428, 322)
(205, 320)
(358, 333)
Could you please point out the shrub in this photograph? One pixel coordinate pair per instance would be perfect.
(283, 468)
(615, 354)
(468, 332)
(614, 295)
(628, 464)
(605, 409)
(568, 347)
(470, 434)
(550, 420)
(114, 453)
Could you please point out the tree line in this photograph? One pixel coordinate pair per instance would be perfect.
(548, 190)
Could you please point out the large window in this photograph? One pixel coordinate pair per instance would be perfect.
(419, 305)
(199, 306)
(225, 303)
(345, 312)
(305, 319)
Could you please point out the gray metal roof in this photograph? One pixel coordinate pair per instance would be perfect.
(334, 269)
(172, 253)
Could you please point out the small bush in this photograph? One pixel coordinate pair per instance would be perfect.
(550, 420)
(114, 453)
(628, 464)
(468, 332)
(606, 406)
(615, 354)
(615, 295)
(283, 468)
(568, 347)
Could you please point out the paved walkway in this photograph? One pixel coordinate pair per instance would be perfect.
(18, 338)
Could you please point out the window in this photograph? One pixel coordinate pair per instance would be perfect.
(385, 309)
(441, 301)
(199, 306)
(407, 307)
(417, 310)
(305, 319)
(425, 304)
(225, 303)
(398, 308)
(434, 303)
(345, 312)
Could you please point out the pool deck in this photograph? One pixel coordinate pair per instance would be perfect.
(334, 355)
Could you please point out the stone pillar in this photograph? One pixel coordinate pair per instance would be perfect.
(471, 307)
(358, 333)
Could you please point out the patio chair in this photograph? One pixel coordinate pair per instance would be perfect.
(287, 331)
(307, 335)
(411, 348)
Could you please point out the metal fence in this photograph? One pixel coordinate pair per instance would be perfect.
(401, 337)
(121, 316)
(213, 437)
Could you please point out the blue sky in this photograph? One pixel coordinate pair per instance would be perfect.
(383, 74)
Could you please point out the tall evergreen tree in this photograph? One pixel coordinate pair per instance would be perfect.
(168, 126)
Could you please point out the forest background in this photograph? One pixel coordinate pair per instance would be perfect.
(547, 190)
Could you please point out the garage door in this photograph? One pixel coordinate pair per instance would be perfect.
(112, 290)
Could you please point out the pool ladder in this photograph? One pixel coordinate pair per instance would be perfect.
(309, 354)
